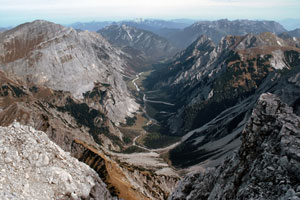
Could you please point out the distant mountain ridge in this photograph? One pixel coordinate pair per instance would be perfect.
(152, 47)
(90, 26)
(220, 28)
(291, 34)
(290, 24)
(3, 29)
(146, 24)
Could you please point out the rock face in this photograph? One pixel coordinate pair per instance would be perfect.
(216, 86)
(68, 122)
(58, 114)
(267, 165)
(43, 53)
(33, 167)
(151, 46)
(220, 28)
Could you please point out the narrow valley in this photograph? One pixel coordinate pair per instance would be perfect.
(150, 110)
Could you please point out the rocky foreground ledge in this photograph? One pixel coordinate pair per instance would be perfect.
(267, 165)
(33, 167)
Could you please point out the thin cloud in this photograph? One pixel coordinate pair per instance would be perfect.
(76, 4)
(64, 11)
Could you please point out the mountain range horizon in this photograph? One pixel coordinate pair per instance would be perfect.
(288, 23)
(150, 109)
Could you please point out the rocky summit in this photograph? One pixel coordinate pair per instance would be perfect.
(33, 167)
(267, 165)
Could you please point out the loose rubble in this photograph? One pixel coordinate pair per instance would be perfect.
(33, 167)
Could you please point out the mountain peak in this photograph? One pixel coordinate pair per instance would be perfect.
(61, 58)
(129, 38)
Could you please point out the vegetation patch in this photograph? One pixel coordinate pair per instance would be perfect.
(134, 149)
(157, 140)
(130, 121)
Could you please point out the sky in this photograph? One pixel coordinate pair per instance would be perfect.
(14, 12)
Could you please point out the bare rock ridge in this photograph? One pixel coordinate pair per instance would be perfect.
(33, 167)
(44, 53)
(267, 165)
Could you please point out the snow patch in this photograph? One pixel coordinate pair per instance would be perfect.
(211, 94)
(279, 43)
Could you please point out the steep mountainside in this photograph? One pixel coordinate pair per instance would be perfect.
(60, 58)
(267, 165)
(214, 87)
(151, 46)
(87, 134)
(70, 85)
(33, 167)
(220, 28)
(57, 113)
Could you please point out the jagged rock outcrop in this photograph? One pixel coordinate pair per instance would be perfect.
(214, 88)
(33, 167)
(267, 165)
(44, 53)
(138, 42)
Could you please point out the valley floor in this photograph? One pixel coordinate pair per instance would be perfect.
(143, 132)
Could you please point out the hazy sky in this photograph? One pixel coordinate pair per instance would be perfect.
(14, 12)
